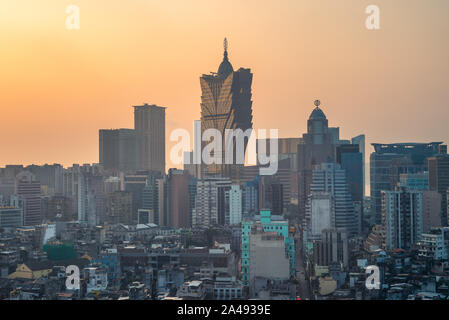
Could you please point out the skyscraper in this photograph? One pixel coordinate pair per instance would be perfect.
(330, 178)
(351, 159)
(226, 104)
(316, 147)
(149, 123)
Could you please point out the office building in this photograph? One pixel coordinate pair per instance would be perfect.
(235, 205)
(351, 160)
(316, 147)
(360, 141)
(331, 178)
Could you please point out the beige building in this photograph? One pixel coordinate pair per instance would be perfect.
(268, 256)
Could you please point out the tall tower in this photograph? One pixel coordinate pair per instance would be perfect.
(226, 104)
(316, 147)
(149, 123)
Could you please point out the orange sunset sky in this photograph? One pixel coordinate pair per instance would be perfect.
(58, 87)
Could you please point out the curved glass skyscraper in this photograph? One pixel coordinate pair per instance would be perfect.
(226, 104)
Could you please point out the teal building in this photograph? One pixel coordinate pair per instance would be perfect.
(269, 224)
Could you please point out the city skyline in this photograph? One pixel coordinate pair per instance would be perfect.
(82, 86)
(259, 150)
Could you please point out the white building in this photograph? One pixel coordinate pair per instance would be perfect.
(435, 244)
(211, 202)
(322, 214)
(96, 279)
(335, 210)
(235, 205)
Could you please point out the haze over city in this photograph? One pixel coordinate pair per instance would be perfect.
(59, 86)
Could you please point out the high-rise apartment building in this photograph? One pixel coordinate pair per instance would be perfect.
(149, 124)
(119, 207)
(402, 218)
(211, 202)
(235, 204)
(29, 190)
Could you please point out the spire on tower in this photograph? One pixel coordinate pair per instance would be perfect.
(225, 67)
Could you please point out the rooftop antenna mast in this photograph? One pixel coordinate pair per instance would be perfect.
(225, 44)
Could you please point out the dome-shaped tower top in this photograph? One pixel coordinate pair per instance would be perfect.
(317, 113)
(225, 67)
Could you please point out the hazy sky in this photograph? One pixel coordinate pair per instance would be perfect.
(58, 87)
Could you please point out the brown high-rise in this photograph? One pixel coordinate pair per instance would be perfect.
(149, 123)
(178, 195)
